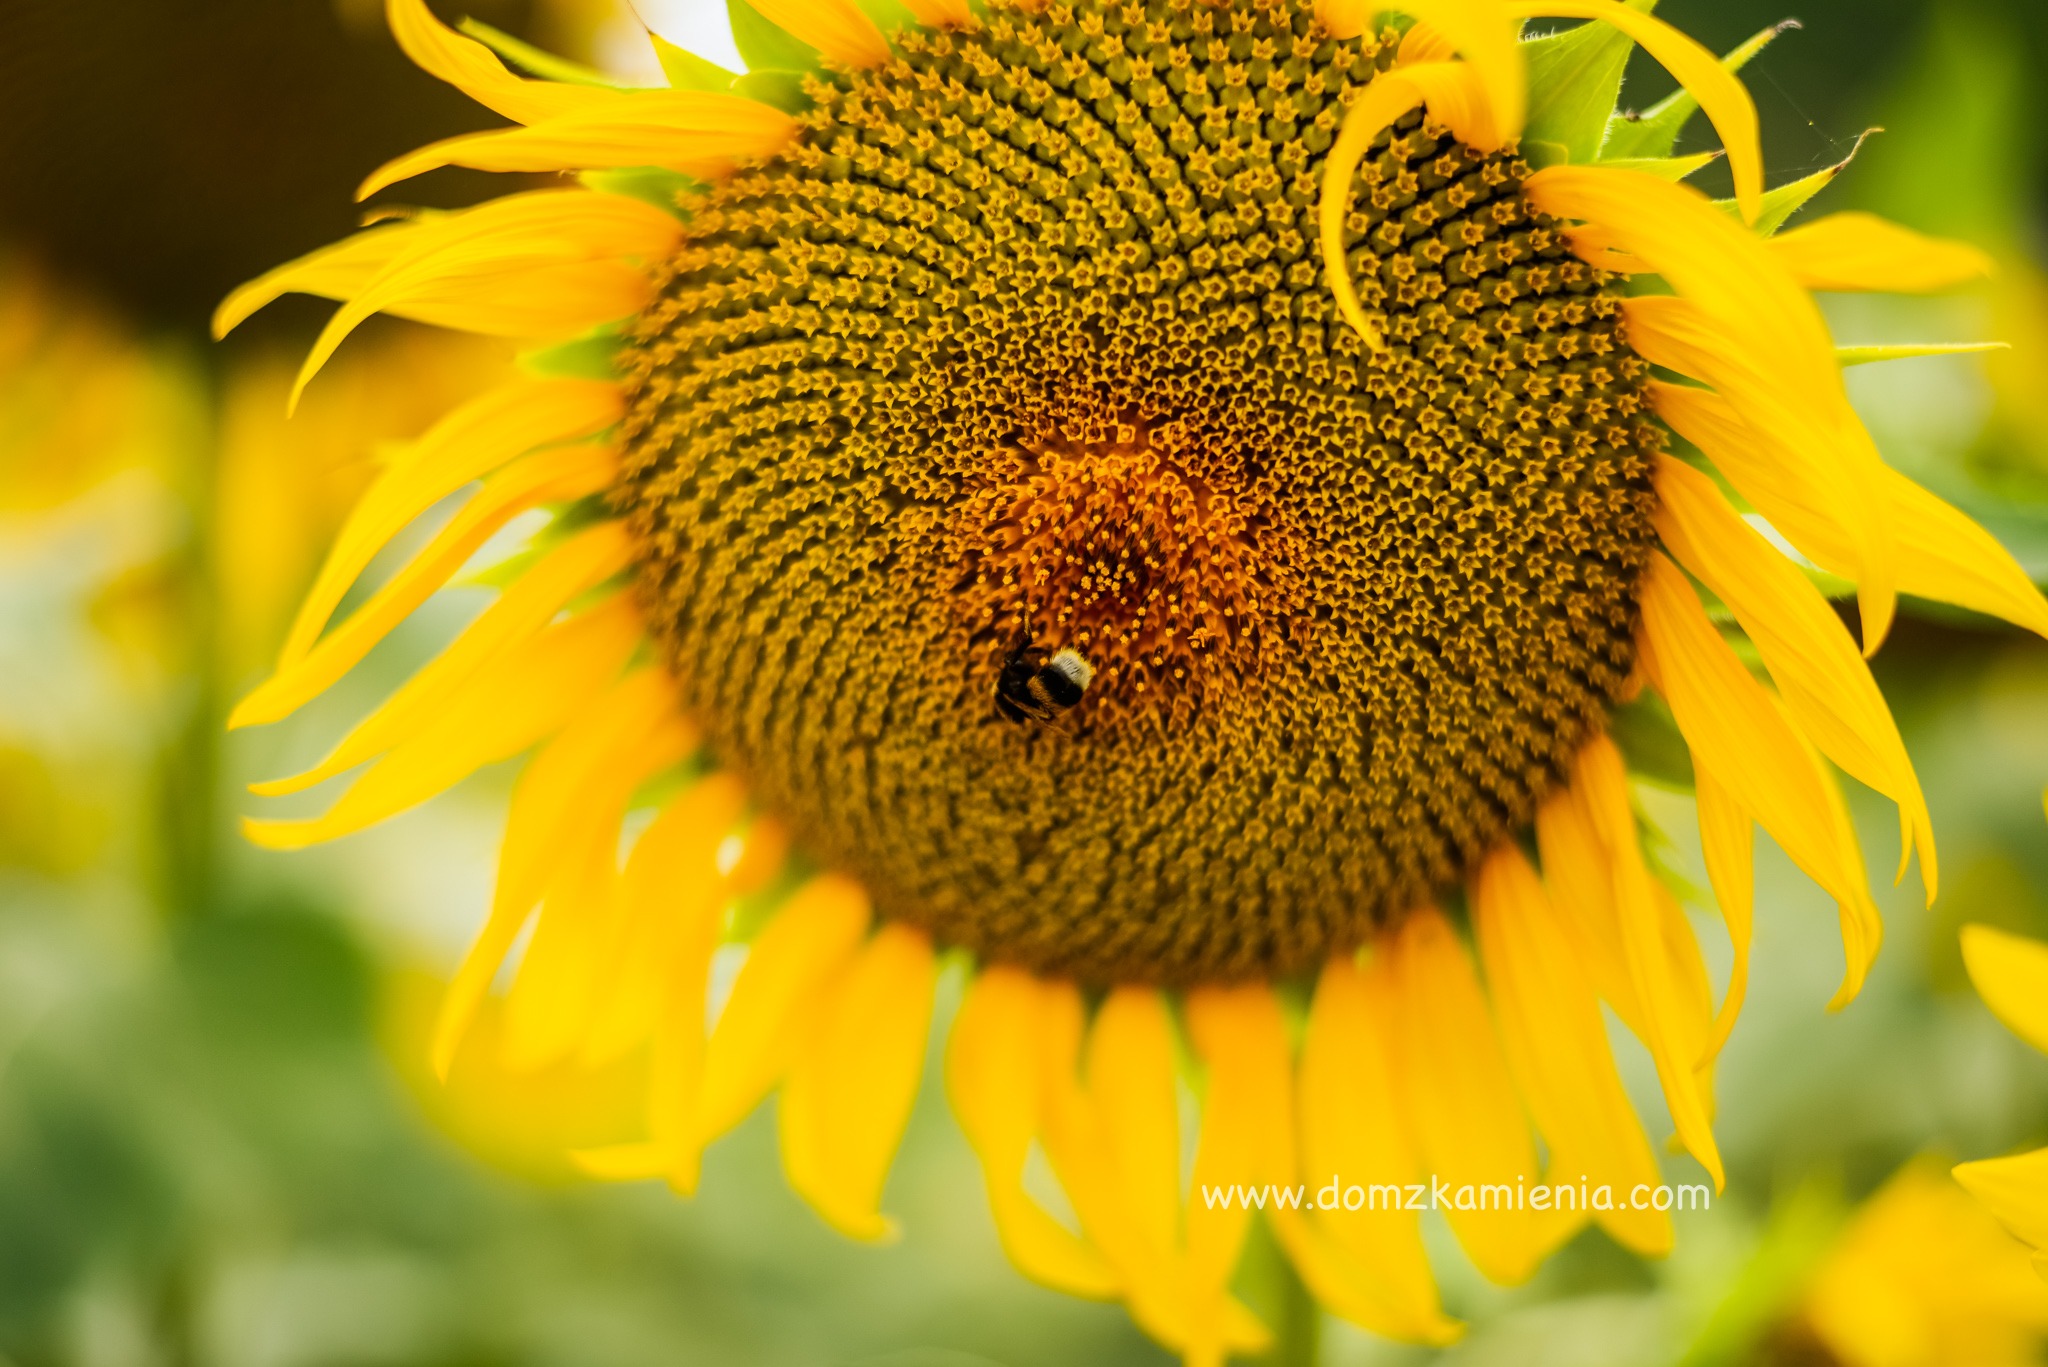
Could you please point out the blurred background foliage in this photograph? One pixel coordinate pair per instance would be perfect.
(218, 1143)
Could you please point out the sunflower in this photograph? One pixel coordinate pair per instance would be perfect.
(2011, 974)
(1399, 446)
(1919, 1277)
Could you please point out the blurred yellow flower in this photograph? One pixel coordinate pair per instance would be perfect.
(525, 1121)
(1922, 1277)
(1161, 500)
(2011, 974)
(283, 485)
(99, 434)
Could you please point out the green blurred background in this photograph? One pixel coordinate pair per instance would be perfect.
(215, 1143)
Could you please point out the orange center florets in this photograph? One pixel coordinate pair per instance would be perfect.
(1163, 581)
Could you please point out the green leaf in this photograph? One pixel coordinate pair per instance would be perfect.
(586, 358)
(1651, 743)
(783, 90)
(1654, 132)
(1664, 168)
(764, 46)
(1787, 200)
(1574, 80)
(686, 70)
(1906, 351)
(537, 61)
(652, 184)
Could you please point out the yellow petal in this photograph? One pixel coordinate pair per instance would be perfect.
(700, 133)
(1556, 1045)
(426, 699)
(1488, 36)
(1467, 1117)
(1580, 876)
(547, 264)
(1743, 325)
(1667, 992)
(1728, 839)
(1385, 99)
(542, 823)
(1247, 1139)
(1453, 92)
(570, 972)
(495, 716)
(1860, 251)
(1367, 1263)
(2011, 975)
(1720, 92)
(1923, 1275)
(1768, 767)
(1344, 18)
(1943, 553)
(1803, 643)
(475, 70)
(994, 1073)
(476, 439)
(561, 255)
(1676, 334)
(790, 970)
(953, 14)
(2015, 1190)
(1131, 1082)
(559, 475)
(671, 898)
(336, 271)
(554, 994)
(839, 29)
(1078, 1147)
(850, 1090)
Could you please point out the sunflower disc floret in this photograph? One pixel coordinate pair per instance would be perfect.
(1027, 340)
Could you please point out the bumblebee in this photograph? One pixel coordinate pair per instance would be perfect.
(1035, 685)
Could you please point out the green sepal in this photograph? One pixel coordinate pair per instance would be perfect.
(1787, 200)
(654, 185)
(686, 70)
(587, 358)
(1664, 168)
(537, 61)
(1905, 351)
(1654, 132)
(782, 90)
(1651, 744)
(765, 46)
(1574, 81)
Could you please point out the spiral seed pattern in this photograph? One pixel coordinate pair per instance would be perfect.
(1027, 340)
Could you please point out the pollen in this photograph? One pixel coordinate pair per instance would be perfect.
(1026, 341)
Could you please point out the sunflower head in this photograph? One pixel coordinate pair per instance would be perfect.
(1004, 350)
(1353, 458)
